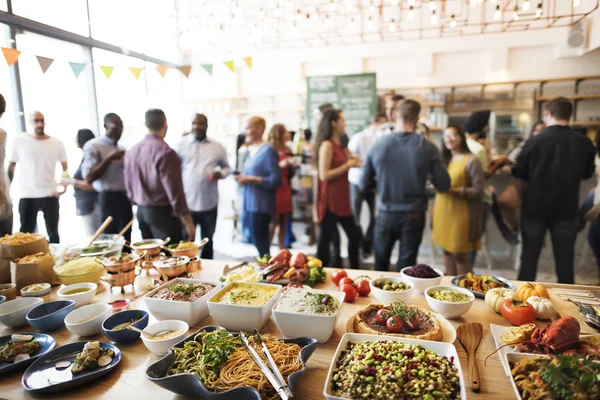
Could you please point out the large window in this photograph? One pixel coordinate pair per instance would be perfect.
(9, 120)
(70, 15)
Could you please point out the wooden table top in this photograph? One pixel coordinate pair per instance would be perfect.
(129, 381)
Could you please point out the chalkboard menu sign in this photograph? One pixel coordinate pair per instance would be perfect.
(354, 94)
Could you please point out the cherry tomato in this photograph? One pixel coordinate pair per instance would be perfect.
(346, 281)
(381, 316)
(350, 293)
(362, 286)
(337, 275)
(415, 322)
(517, 312)
(394, 324)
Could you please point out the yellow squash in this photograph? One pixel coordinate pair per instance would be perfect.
(532, 289)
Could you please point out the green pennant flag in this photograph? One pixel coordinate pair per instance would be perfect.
(229, 64)
(107, 70)
(77, 68)
(208, 68)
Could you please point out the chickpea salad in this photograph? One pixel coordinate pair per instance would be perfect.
(394, 370)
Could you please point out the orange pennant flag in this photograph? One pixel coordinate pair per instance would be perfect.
(229, 65)
(162, 69)
(185, 70)
(11, 55)
(136, 71)
(248, 61)
(107, 70)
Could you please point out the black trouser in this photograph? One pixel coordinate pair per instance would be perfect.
(6, 225)
(116, 205)
(358, 197)
(563, 235)
(28, 211)
(328, 227)
(159, 223)
(406, 227)
(208, 222)
(259, 231)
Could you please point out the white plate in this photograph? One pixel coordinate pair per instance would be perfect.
(441, 349)
(496, 332)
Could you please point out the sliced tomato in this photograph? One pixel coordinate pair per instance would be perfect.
(381, 316)
(517, 312)
(363, 288)
(337, 275)
(345, 281)
(350, 293)
(415, 322)
(394, 324)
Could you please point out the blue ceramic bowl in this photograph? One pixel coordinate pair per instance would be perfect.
(2, 299)
(50, 316)
(124, 335)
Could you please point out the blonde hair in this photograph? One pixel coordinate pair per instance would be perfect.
(259, 122)
(276, 136)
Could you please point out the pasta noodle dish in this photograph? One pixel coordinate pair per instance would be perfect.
(188, 292)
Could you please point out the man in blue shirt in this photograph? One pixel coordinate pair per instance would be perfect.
(399, 165)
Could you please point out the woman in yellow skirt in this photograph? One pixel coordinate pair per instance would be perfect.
(458, 214)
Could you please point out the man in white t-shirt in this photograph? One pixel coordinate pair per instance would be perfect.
(38, 155)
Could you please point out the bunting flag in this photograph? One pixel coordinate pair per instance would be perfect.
(208, 68)
(77, 68)
(11, 55)
(248, 61)
(107, 70)
(45, 63)
(136, 71)
(229, 64)
(185, 70)
(162, 70)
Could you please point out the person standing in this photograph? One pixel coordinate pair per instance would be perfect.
(260, 179)
(552, 164)
(203, 164)
(86, 197)
(399, 165)
(6, 214)
(283, 195)
(458, 214)
(390, 105)
(153, 182)
(359, 146)
(38, 155)
(333, 198)
(103, 168)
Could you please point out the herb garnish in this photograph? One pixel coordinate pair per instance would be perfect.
(567, 371)
(185, 288)
(399, 309)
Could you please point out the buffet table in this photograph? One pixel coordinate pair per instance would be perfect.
(129, 381)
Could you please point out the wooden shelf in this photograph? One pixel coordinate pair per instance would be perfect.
(591, 96)
(585, 123)
(433, 104)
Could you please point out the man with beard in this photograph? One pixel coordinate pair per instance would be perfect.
(203, 163)
(38, 155)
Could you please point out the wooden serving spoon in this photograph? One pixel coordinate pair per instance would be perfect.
(469, 335)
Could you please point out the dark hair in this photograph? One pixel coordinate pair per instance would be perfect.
(84, 136)
(108, 118)
(535, 125)
(325, 106)
(308, 135)
(203, 116)
(560, 108)
(446, 153)
(408, 110)
(2, 104)
(378, 115)
(155, 119)
(324, 130)
(397, 97)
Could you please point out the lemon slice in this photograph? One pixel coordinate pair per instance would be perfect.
(527, 330)
(512, 335)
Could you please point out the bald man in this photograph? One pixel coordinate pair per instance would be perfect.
(38, 155)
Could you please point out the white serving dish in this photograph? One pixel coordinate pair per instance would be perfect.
(496, 331)
(161, 347)
(239, 317)
(421, 284)
(442, 349)
(388, 297)
(446, 308)
(293, 324)
(190, 312)
(36, 293)
(89, 327)
(13, 313)
(80, 299)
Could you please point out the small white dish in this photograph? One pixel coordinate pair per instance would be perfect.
(13, 313)
(87, 320)
(161, 347)
(421, 284)
(82, 298)
(42, 291)
(386, 296)
(449, 309)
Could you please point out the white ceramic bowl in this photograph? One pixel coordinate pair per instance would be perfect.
(161, 347)
(14, 313)
(87, 320)
(80, 299)
(421, 284)
(294, 324)
(190, 312)
(46, 287)
(239, 317)
(386, 297)
(449, 309)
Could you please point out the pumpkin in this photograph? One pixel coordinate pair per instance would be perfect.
(544, 309)
(528, 290)
(495, 297)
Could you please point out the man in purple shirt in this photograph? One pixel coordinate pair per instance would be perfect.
(153, 182)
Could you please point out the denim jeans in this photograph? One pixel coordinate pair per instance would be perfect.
(328, 228)
(259, 231)
(563, 235)
(208, 222)
(357, 197)
(406, 227)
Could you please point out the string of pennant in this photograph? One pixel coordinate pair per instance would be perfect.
(12, 57)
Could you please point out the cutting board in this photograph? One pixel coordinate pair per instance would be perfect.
(565, 308)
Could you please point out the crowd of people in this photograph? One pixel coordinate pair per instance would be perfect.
(393, 166)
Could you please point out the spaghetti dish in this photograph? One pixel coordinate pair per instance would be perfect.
(19, 238)
(188, 292)
(219, 359)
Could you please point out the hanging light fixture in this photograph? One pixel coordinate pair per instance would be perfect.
(327, 21)
(538, 11)
(261, 14)
(411, 2)
(472, 3)
(497, 13)
(411, 12)
(433, 18)
(299, 16)
(392, 26)
(372, 9)
(295, 30)
(576, 3)
(277, 11)
(332, 6)
(352, 24)
(394, 2)
(432, 5)
(370, 24)
(525, 6)
(516, 14)
(452, 23)
(314, 15)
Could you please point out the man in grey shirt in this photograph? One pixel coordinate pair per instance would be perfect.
(399, 164)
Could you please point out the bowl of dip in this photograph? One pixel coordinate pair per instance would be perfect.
(36, 290)
(244, 306)
(80, 293)
(170, 332)
(308, 312)
(449, 301)
(87, 320)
